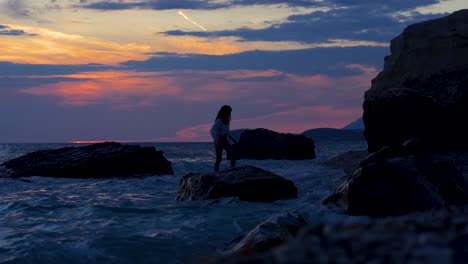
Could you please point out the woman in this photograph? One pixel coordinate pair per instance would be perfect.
(220, 134)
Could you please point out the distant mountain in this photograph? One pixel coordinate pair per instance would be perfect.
(356, 125)
(333, 134)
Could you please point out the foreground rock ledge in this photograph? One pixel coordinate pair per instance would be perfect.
(272, 233)
(101, 160)
(402, 179)
(434, 237)
(248, 183)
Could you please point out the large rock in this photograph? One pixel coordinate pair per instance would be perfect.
(402, 179)
(423, 90)
(266, 144)
(272, 233)
(248, 183)
(423, 238)
(94, 161)
(347, 161)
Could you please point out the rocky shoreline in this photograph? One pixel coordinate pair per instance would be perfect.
(430, 237)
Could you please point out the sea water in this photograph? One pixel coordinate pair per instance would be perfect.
(138, 220)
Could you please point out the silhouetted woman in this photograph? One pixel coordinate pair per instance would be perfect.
(220, 134)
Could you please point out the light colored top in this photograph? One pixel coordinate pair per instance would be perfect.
(219, 129)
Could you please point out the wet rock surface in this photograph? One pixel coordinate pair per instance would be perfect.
(270, 234)
(248, 183)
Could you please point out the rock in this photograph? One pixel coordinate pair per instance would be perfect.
(269, 234)
(384, 153)
(400, 184)
(248, 183)
(266, 144)
(424, 238)
(423, 90)
(102, 160)
(347, 161)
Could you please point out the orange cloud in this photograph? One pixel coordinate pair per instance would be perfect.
(121, 87)
(127, 90)
(52, 47)
(122, 90)
(45, 46)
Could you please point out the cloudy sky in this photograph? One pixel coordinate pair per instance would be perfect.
(159, 70)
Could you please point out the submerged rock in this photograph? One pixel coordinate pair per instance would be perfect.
(248, 183)
(423, 90)
(266, 144)
(102, 160)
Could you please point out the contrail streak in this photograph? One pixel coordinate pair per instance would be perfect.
(194, 22)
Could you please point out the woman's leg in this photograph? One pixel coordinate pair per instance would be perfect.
(219, 155)
(232, 153)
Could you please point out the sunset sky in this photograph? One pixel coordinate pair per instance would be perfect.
(159, 70)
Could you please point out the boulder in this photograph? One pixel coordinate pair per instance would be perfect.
(399, 180)
(422, 91)
(347, 161)
(266, 144)
(248, 183)
(275, 231)
(101, 160)
(421, 238)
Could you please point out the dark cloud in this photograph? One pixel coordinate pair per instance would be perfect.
(16, 7)
(394, 5)
(7, 31)
(330, 61)
(16, 69)
(350, 23)
(389, 5)
(158, 5)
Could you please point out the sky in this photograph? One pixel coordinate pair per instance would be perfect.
(159, 70)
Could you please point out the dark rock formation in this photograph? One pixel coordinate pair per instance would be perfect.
(94, 161)
(269, 234)
(266, 144)
(401, 179)
(435, 237)
(248, 183)
(423, 90)
(348, 161)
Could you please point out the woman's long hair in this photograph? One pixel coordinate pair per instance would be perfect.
(225, 114)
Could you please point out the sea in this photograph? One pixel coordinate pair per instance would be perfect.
(138, 220)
